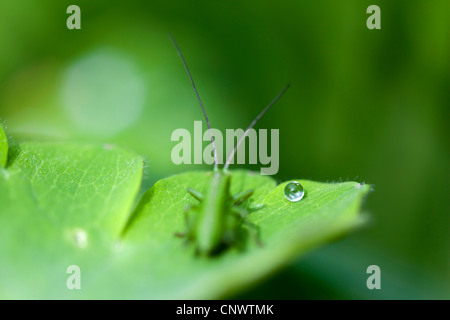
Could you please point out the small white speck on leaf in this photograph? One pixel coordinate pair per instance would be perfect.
(79, 237)
(108, 146)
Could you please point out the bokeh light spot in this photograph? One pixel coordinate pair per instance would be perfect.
(103, 92)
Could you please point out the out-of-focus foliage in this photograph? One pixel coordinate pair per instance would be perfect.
(368, 105)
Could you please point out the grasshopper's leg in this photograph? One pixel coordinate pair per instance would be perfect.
(251, 227)
(180, 234)
(239, 213)
(197, 195)
(232, 224)
(187, 221)
(241, 197)
(254, 231)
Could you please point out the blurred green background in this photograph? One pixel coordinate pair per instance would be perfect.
(365, 105)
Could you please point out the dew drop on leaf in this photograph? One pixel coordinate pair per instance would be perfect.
(294, 191)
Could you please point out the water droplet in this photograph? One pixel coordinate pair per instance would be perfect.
(294, 191)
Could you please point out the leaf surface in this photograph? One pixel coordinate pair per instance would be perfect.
(70, 204)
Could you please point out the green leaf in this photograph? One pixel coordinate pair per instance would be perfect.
(164, 267)
(68, 204)
(60, 204)
(3, 148)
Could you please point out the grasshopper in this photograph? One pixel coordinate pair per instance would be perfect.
(218, 216)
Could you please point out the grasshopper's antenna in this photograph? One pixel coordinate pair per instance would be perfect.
(231, 155)
(216, 163)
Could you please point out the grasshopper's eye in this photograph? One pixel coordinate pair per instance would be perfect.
(294, 191)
